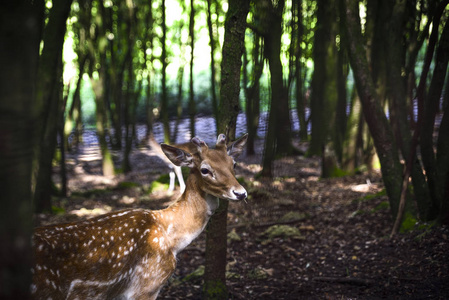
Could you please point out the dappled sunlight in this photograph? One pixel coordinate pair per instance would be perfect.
(84, 212)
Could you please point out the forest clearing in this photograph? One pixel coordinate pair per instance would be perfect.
(296, 237)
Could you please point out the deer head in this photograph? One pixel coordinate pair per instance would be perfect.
(214, 168)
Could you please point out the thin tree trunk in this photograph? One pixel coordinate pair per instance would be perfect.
(233, 47)
(192, 108)
(73, 119)
(436, 181)
(164, 100)
(212, 59)
(252, 92)
(299, 91)
(178, 102)
(443, 159)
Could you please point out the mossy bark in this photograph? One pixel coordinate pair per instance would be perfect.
(372, 109)
(216, 241)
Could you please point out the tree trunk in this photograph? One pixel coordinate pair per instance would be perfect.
(49, 100)
(279, 115)
(100, 112)
(322, 43)
(73, 119)
(299, 90)
(164, 100)
(212, 42)
(233, 47)
(340, 114)
(20, 30)
(252, 92)
(178, 104)
(372, 109)
(443, 159)
(192, 108)
(436, 171)
(149, 38)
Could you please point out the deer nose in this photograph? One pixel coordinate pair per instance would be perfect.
(240, 196)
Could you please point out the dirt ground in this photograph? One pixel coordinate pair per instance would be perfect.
(296, 237)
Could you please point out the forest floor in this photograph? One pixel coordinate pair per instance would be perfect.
(296, 237)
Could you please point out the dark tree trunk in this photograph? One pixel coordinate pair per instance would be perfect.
(73, 120)
(340, 115)
(252, 92)
(49, 101)
(372, 109)
(130, 95)
(320, 79)
(164, 98)
(192, 106)
(212, 42)
(436, 171)
(20, 30)
(149, 96)
(443, 159)
(279, 91)
(233, 47)
(279, 115)
(299, 91)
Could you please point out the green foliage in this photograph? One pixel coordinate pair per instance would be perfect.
(293, 216)
(233, 236)
(408, 223)
(284, 231)
(372, 196)
(337, 173)
(57, 210)
(382, 206)
(196, 274)
(160, 184)
(215, 290)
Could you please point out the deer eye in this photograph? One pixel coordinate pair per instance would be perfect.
(204, 171)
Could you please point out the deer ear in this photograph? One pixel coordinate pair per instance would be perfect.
(236, 148)
(178, 156)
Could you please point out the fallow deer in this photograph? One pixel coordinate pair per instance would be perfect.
(131, 254)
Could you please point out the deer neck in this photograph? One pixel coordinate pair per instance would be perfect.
(184, 220)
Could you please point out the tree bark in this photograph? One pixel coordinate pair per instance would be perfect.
(436, 171)
(299, 90)
(192, 107)
(324, 90)
(49, 101)
(233, 47)
(164, 100)
(21, 24)
(374, 115)
(252, 92)
(212, 43)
